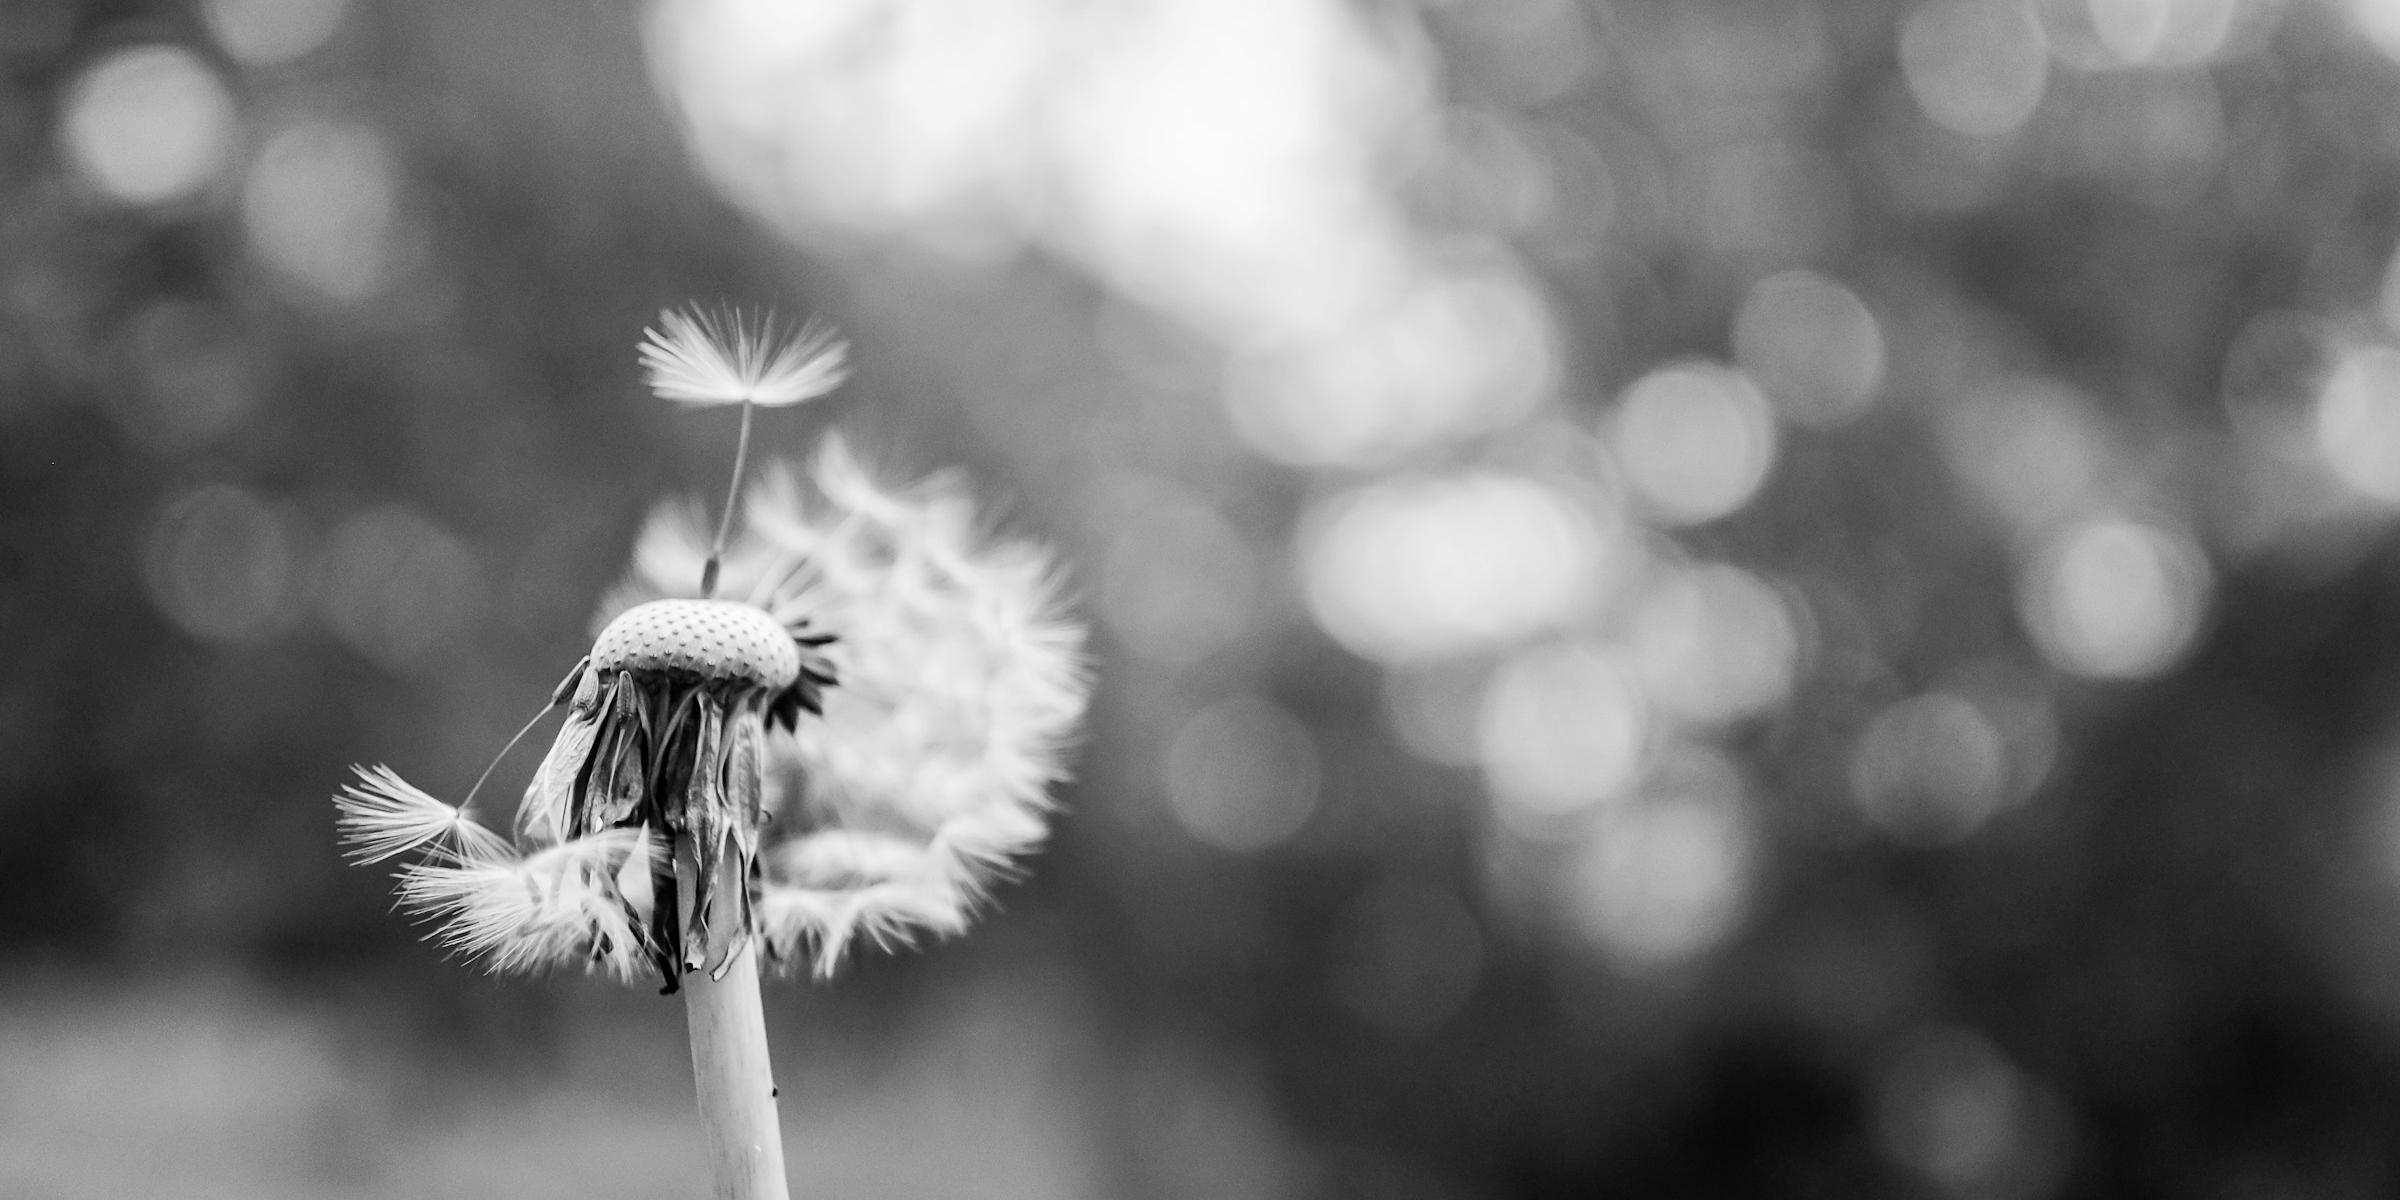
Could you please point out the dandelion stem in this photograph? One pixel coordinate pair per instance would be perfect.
(733, 496)
(734, 1080)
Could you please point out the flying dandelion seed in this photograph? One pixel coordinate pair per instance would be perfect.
(732, 358)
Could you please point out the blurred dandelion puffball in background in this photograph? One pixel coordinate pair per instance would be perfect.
(909, 783)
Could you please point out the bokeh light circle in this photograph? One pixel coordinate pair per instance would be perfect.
(399, 588)
(1242, 774)
(2379, 20)
(1452, 355)
(1666, 877)
(1714, 643)
(1947, 1105)
(148, 124)
(1562, 727)
(1930, 769)
(1409, 569)
(1977, 67)
(2026, 447)
(265, 33)
(319, 205)
(1812, 345)
(2113, 598)
(220, 562)
(1693, 440)
(2358, 421)
(2162, 33)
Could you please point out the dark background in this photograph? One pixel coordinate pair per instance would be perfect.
(1936, 739)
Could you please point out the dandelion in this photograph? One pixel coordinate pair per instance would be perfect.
(876, 681)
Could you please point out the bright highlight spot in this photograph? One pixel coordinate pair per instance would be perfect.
(1812, 346)
(1420, 568)
(1930, 769)
(1977, 67)
(857, 113)
(319, 206)
(2380, 21)
(1695, 441)
(219, 563)
(1221, 158)
(1215, 159)
(148, 124)
(2358, 421)
(1562, 728)
(264, 33)
(2164, 33)
(2114, 598)
(1666, 878)
(1242, 774)
(1714, 643)
(1449, 358)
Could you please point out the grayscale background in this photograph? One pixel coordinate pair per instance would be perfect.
(1714, 599)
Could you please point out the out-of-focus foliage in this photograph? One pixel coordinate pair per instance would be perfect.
(1722, 598)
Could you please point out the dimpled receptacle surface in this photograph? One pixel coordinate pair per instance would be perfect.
(715, 639)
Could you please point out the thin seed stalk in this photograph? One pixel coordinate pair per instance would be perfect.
(733, 497)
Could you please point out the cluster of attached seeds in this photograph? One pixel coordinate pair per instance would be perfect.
(714, 639)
